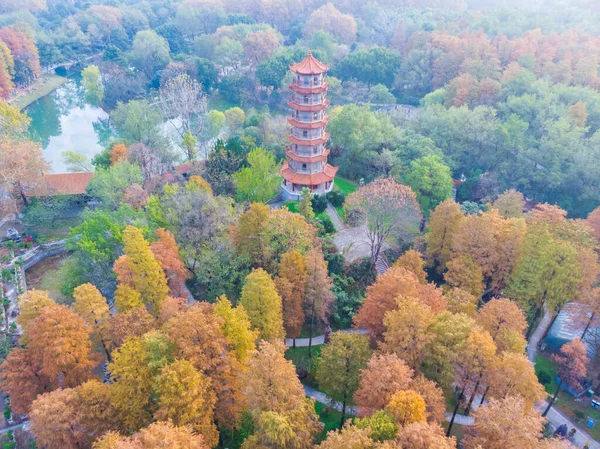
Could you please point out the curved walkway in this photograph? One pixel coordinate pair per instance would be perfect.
(318, 339)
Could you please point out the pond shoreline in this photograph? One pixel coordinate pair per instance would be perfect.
(44, 85)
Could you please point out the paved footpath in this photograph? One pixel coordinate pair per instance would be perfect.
(539, 332)
(319, 339)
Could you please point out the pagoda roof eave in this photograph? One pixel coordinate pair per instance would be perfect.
(308, 142)
(312, 125)
(308, 107)
(307, 159)
(309, 90)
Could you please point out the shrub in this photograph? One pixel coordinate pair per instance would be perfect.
(319, 204)
(544, 377)
(328, 225)
(336, 198)
(579, 414)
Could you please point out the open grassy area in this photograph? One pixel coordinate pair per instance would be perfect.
(39, 89)
(329, 417)
(345, 186)
(57, 230)
(219, 103)
(545, 364)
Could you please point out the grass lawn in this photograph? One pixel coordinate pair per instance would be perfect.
(346, 187)
(220, 104)
(299, 355)
(43, 89)
(458, 431)
(545, 364)
(55, 231)
(329, 417)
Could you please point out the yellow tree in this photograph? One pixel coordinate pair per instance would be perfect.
(510, 204)
(291, 284)
(127, 298)
(349, 437)
(421, 435)
(133, 323)
(505, 424)
(407, 330)
(93, 308)
(158, 435)
(443, 224)
(413, 261)
(31, 305)
(263, 304)
(53, 420)
(318, 296)
(132, 388)
(514, 375)
(283, 416)
(339, 366)
(463, 273)
(140, 270)
(22, 379)
(476, 356)
(492, 242)
(247, 234)
(236, 328)
(385, 374)
(60, 339)
(461, 301)
(185, 397)
(166, 252)
(503, 319)
(433, 395)
(198, 336)
(449, 333)
(381, 298)
(407, 406)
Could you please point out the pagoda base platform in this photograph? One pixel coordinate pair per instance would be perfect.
(295, 195)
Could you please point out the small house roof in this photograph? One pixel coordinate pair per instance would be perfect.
(309, 66)
(63, 184)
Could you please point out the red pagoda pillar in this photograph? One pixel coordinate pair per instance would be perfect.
(306, 164)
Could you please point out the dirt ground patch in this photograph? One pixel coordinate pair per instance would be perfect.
(45, 275)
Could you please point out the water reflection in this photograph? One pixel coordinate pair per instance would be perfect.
(64, 121)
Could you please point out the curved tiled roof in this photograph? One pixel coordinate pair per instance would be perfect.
(308, 125)
(307, 142)
(309, 90)
(304, 179)
(316, 158)
(308, 107)
(309, 66)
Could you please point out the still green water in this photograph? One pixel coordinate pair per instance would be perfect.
(65, 121)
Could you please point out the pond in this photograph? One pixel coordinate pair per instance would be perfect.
(64, 121)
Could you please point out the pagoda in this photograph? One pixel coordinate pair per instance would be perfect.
(306, 164)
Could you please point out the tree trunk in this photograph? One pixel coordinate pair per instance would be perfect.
(343, 411)
(310, 335)
(553, 399)
(587, 326)
(484, 395)
(468, 409)
(294, 342)
(451, 423)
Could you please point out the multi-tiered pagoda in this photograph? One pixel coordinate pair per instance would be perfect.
(307, 156)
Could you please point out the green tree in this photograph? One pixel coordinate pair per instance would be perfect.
(92, 83)
(216, 121)
(109, 185)
(260, 180)
(150, 52)
(431, 181)
(305, 206)
(137, 121)
(377, 65)
(339, 366)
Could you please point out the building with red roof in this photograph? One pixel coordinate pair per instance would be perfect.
(306, 164)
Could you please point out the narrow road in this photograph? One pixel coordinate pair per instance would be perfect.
(16, 426)
(322, 398)
(539, 332)
(335, 218)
